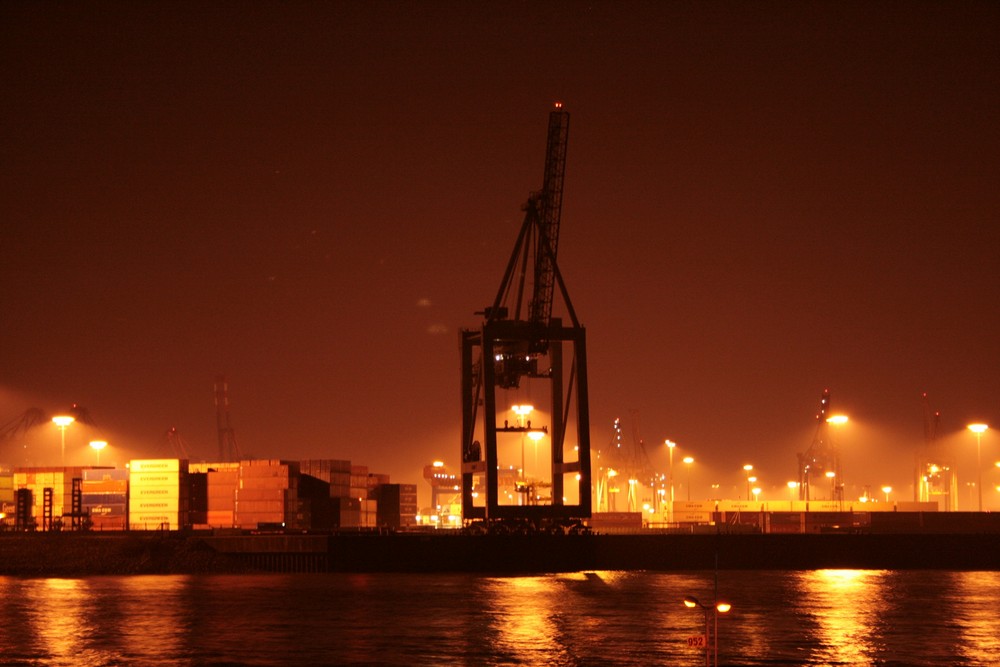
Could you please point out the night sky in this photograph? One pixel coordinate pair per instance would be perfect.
(762, 201)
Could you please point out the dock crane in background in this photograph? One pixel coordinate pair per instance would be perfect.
(821, 460)
(518, 348)
(934, 474)
(623, 463)
(17, 429)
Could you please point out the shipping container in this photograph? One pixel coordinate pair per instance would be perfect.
(142, 491)
(110, 509)
(156, 479)
(158, 465)
(262, 494)
(103, 498)
(156, 505)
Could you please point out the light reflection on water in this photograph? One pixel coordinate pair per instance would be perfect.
(825, 617)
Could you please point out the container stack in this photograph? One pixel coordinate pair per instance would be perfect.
(367, 506)
(104, 495)
(335, 473)
(397, 505)
(223, 480)
(37, 479)
(267, 495)
(158, 498)
(7, 506)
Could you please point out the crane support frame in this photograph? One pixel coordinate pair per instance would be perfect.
(567, 407)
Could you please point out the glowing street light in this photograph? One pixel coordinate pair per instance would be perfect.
(746, 472)
(97, 446)
(886, 490)
(62, 421)
(692, 602)
(979, 429)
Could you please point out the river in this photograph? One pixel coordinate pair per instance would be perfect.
(821, 617)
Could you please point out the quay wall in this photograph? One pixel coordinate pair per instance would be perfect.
(74, 554)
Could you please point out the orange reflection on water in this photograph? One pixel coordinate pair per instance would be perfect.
(61, 619)
(524, 611)
(845, 607)
(56, 617)
(978, 600)
(155, 631)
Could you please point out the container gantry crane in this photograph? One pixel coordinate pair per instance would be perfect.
(934, 476)
(822, 458)
(518, 348)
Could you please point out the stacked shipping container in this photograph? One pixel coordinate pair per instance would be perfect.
(7, 506)
(158, 494)
(36, 480)
(268, 494)
(104, 494)
(170, 494)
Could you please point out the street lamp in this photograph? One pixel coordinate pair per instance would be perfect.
(837, 493)
(979, 429)
(887, 490)
(670, 448)
(793, 487)
(692, 602)
(535, 437)
(746, 472)
(97, 446)
(688, 460)
(62, 421)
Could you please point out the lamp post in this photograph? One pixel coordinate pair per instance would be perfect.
(62, 421)
(522, 411)
(886, 490)
(692, 602)
(670, 510)
(688, 460)
(837, 491)
(979, 429)
(746, 472)
(793, 487)
(97, 446)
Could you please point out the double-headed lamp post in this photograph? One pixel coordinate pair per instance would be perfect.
(670, 448)
(62, 421)
(711, 640)
(522, 412)
(979, 429)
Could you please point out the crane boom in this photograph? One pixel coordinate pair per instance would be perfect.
(548, 208)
